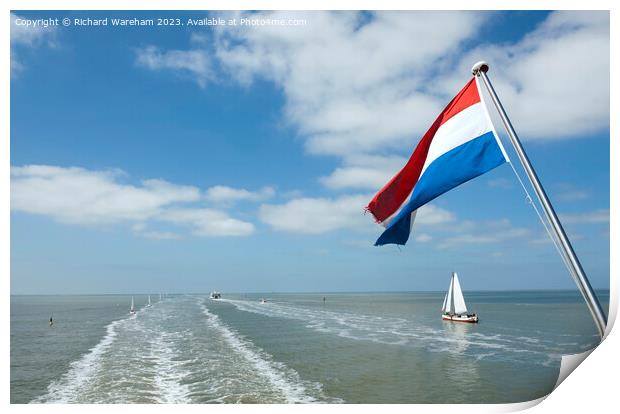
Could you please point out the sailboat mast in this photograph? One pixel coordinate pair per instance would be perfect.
(452, 294)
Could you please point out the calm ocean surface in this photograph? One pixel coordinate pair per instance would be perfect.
(354, 348)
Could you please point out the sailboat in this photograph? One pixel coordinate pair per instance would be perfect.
(454, 308)
(132, 310)
(149, 302)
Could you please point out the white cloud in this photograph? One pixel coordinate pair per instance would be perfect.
(224, 194)
(16, 65)
(544, 238)
(491, 232)
(591, 217)
(554, 83)
(466, 239)
(357, 177)
(430, 215)
(573, 195)
(500, 183)
(322, 215)
(28, 36)
(76, 195)
(317, 215)
(94, 198)
(354, 85)
(357, 84)
(160, 235)
(568, 192)
(364, 172)
(351, 84)
(422, 237)
(140, 229)
(194, 62)
(207, 222)
(346, 81)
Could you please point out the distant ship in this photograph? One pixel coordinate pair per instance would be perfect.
(149, 302)
(263, 300)
(132, 310)
(454, 308)
(215, 295)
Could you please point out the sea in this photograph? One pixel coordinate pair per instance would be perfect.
(295, 348)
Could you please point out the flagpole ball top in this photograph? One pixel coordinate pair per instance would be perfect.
(481, 66)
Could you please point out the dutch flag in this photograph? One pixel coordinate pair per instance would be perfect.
(460, 145)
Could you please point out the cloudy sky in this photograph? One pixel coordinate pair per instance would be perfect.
(240, 158)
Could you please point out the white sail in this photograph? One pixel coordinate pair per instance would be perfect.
(132, 304)
(449, 308)
(149, 300)
(445, 302)
(459, 307)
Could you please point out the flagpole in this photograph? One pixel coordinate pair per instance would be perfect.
(480, 69)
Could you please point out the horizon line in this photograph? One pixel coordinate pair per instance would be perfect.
(305, 292)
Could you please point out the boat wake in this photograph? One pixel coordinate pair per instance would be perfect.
(82, 371)
(170, 371)
(178, 352)
(452, 338)
(282, 378)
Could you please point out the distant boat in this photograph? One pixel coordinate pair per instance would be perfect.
(149, 302)
(263, 300)
(454, 308)
(132, 310)
(215, 295)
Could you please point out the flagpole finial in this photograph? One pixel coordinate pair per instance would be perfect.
(481, 66)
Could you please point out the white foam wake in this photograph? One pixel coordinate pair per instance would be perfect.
(399, 331)
(169, 371)
(81, 371)
(282, 378)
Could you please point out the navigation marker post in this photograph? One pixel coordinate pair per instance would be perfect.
(480, 70)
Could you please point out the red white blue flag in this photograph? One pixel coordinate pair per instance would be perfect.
(460, 145)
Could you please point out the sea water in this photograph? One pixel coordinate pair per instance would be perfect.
(295, 348)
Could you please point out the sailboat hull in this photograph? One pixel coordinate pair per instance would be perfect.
(460, 318)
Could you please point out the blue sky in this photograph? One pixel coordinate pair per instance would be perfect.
(183, 159)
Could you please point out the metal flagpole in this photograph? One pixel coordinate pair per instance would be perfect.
(480, 69)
